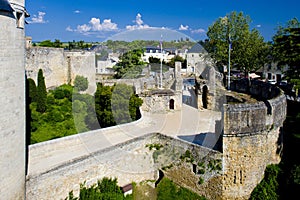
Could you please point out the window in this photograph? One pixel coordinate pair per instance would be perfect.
(20, 19)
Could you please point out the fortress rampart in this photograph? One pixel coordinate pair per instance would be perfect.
(231, 173)
(129, 161)
(60, 66)
(252, 140)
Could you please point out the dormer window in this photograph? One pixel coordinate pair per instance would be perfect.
(20, 19)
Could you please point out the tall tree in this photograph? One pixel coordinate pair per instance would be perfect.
(32, 90)
(286, 48)
(248, 49)
(41, 93)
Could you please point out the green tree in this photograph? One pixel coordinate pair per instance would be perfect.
(128, 60)
(105, 189)
(103, 106)
(81, 83)
(248, 49)
(41, 93)
(46, 43)
(32, 90)
(267, 189)
(177, 59)
(286, 48)
(57, 43)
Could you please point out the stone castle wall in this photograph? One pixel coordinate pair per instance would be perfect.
(61, 67)
(252, 140)
(12, 98)
(129, 161)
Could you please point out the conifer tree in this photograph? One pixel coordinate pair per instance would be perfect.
(41, 93)
(32, 90)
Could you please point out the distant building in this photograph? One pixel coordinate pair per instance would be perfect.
(156, 52)
(273, 72)
(194, 57)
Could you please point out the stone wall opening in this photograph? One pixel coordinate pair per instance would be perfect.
(172, 104)
(205, 96)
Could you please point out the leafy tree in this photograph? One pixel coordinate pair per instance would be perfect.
(177, 59)
(128, 60)
(81, 83)
(46, 43)
(154, 60)
(286, 48)
(248, 49)
(41, 93)
(116, 105)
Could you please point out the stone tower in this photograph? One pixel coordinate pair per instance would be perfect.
(12, 95)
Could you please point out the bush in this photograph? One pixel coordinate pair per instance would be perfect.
(81, 83)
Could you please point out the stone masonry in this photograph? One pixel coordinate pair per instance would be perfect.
(12, 98)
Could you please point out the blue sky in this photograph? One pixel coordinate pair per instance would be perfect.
(96, 20)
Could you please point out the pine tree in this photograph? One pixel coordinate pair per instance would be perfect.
(41, 93)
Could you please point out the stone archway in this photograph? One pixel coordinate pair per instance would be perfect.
(205, 96)
(171, 104)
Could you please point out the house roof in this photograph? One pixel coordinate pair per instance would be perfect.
(197, 48)
(5, 6)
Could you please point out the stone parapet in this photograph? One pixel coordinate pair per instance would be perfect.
(241, 119)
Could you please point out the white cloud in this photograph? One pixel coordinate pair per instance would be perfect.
(77, 11)
(139, 23)
(107, 25)
(38, 19)
(183, 28)
(83, 28)
(95, 25)
(69, 29)
(258, 26)
(198, 31)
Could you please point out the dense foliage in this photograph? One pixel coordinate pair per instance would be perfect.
(286, 48)
(48, 43)
(105, 189)
(282, 181)
(68, 112)
(167, 190)
(81, 83)
(248, 49)
(116, 105)
(58, 118)
(128, 61)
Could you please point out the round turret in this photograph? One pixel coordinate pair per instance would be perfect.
(12, 95)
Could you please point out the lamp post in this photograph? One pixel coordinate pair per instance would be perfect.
(229, 49)
(225, 21)
(161, 60)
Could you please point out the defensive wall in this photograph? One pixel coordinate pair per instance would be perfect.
(251, 139)
(60, 66)
(132, 161)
